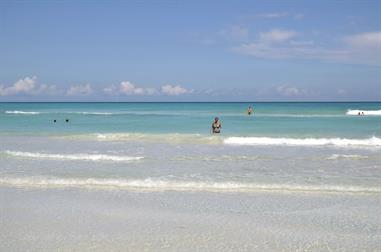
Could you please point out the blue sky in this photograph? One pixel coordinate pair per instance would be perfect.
(190, 51)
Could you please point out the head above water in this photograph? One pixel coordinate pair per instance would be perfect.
(216, 119)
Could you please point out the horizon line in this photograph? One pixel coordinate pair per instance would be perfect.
(190, 101)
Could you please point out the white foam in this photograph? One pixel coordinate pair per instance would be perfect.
(346, 156)
(366, 112)
(151, 184)
(85, 157)
(58, 112)
(340, 142)
(22, 112)
(170, 138)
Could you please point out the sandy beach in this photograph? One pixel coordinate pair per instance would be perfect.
(107, 220)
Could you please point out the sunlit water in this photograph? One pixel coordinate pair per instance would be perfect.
(294, 147)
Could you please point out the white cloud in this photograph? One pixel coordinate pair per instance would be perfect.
(129, 88)
(276, 36)
(289, 51)
(80, 90)
(287, 90)
(28, 86)
(364, 48)
(172, 90)
(48, 89)
(25, 86)
(110, 90)
(371, 40)
(273, 15)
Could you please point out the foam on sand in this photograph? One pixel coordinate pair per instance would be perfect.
(84, 157)
(339, 142)
(366, 112)
(152, 184)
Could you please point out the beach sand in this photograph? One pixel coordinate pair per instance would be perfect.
(119, 220)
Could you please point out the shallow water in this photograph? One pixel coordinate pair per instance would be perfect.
(151, 177)
(293, 147)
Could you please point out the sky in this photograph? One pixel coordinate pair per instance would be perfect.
(166, 50)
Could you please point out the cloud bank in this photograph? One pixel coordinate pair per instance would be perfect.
(362, 48)
(79, 90)
(172, 90)
(130, 89)
(28, 86)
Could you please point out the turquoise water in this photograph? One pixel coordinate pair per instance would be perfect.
(269, 119)
(317, 147)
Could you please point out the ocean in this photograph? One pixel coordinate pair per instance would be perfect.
(152, 177)
(168, 146)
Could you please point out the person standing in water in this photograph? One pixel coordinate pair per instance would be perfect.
(216, 126)
(249, 110)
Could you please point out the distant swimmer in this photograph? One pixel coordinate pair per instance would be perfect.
(216, 126)
(55, 120)
(67, 120)
(249, 110)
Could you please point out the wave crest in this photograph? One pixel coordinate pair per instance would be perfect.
(84, 157)
(366, 112)
(346, 156)
(22, 112)
(340, 142)
(151, 184)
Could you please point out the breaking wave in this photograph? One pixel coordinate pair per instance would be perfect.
(346, 156)
(22, 112)
(178, 138)
(366, 112)
(84, 157)
(151, 184)
(58, 112)
(339, 142)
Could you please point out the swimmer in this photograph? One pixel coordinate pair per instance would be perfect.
(67, 120)
(55, 120)
(216, 126)
(249, 110)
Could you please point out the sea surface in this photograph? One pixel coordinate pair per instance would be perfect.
(281, 147)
